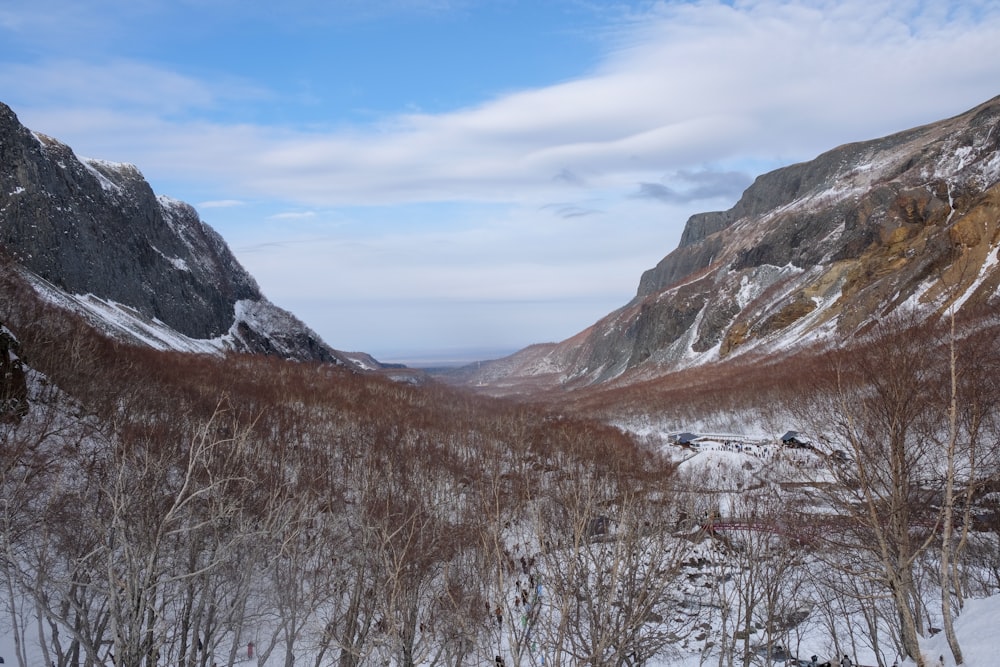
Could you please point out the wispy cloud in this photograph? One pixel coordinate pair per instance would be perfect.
(691, 186)
(698, 82)
(571, 210)
(221, 203)
(123, 88)
(568, 177)
(685, 97)
(693, 83)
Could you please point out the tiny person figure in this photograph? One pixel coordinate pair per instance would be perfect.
(845, 661)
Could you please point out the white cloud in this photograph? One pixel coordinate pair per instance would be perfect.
(118, 87)
(535, 273)
(597, 173)
(691, 84)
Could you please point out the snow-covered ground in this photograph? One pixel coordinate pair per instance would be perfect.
(717, 470)
(978, 630)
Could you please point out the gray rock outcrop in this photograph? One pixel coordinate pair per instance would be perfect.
(90, 227)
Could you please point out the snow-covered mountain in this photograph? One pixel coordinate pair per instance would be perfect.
(92, 236)
(812, 252)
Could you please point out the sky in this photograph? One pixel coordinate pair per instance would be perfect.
(430, 180)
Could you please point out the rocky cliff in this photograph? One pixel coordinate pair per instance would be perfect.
(811, 252)
(93, 236)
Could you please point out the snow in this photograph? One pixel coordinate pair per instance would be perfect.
(98, 167)
(122, 321)
(720, 463)
(177, 262)
(172, 205)
(984, 272)
(152, 332)
(361, 361)
(739, 462)
(732, 462)
(977, 629)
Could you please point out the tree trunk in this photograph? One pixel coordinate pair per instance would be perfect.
(949, 506)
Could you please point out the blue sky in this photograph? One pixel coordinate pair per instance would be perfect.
(428, 179)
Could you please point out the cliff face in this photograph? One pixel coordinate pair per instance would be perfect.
(811, 252)
(95, 235)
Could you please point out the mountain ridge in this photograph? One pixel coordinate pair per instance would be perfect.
(93, 236)
(812, 252)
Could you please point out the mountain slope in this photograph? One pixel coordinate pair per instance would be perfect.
(811, 252)
(94, 237)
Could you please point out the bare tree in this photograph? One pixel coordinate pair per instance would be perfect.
(764, 556)
(947, 555)
(969, 449)
(155, 496)
(507, 547)
(878, 401)
(610, 575)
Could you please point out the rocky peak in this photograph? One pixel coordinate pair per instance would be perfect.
(812, 252)
(95, 231)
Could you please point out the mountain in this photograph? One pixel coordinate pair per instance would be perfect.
(92, 236)
(812, 252)
(161, 507)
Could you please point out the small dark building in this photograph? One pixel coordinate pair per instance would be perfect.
(794, 439)
(685, 439)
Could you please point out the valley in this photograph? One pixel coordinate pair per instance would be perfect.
(193, 477)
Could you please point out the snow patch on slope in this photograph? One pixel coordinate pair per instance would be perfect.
(126, 323)
(99, 169)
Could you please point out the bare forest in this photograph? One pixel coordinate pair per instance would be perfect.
(171, 509)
